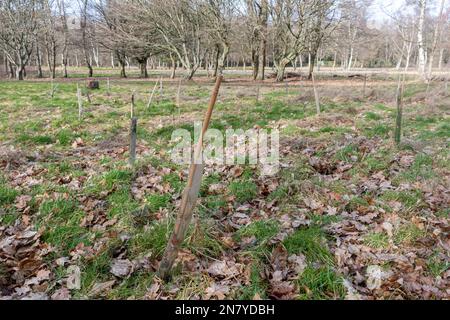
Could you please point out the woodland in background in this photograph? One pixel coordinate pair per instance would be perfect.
(38, 35)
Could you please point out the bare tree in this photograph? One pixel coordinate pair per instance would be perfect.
(422, 61)
(18, 27)
(84, 13)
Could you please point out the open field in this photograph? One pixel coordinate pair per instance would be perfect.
(349, 215)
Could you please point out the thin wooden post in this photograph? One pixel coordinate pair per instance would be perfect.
(80, 103)
(399, 101)
(151, 95)
(190, 194)
(365, 85)
(108, 86)
(53, 89)
(132, 105)
(316, 94)
(258, 88)
(161, 89)
(88, 96)
(178, 94)
(133, 136)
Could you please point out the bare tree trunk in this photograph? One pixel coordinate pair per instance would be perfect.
(420, 38)
(436, 36)
(441, 59)
(281, 68)
(255, 64)
(312, 57)
(39, 61)
(174, 67)
(216, 61)
(263, 40)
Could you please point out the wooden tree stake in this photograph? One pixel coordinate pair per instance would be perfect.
(108, 86)
(316, 94)
(258, 88)
(178, 94)
(132, 104)
(190, 195)
(399, 102)
(151, 95)
(161, 89)
(133, 135)
(80, 103)
(365, 85)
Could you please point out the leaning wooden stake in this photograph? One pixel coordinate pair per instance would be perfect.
(133, 135)
(399, 102)
(80, 103)
(190, 195)
(316, 94)
(151, 95)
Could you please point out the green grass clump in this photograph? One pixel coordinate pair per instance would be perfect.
(152, 241)
(261, 230)
(408, 234)
(65, 137)
(257, 285)
(157, 201)
(346, 153)
(61, 219)
(410, 199)
(320, 283)
(135, 286)
(311, 242)
(243, 190)
(372, 116)
(116, 178)
(377, 240)
(422, 168)
(436, 266)
(121, 203)
(7, 195)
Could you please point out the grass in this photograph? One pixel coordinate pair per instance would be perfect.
(377, 240)
(262, 230)
(320, 283)
(7, 195)
(158, 201)
(243, 190)
(257, 286)
(409, 199)
(64, 231)
(311, 242)
(28, 118)
(408, 234)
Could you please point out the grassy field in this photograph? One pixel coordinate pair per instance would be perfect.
(349, 215)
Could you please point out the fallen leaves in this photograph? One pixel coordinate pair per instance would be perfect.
(122, 268)
(74, 278)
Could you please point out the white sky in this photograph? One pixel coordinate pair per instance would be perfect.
(380, 7)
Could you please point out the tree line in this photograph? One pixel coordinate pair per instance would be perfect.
(217, 34)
